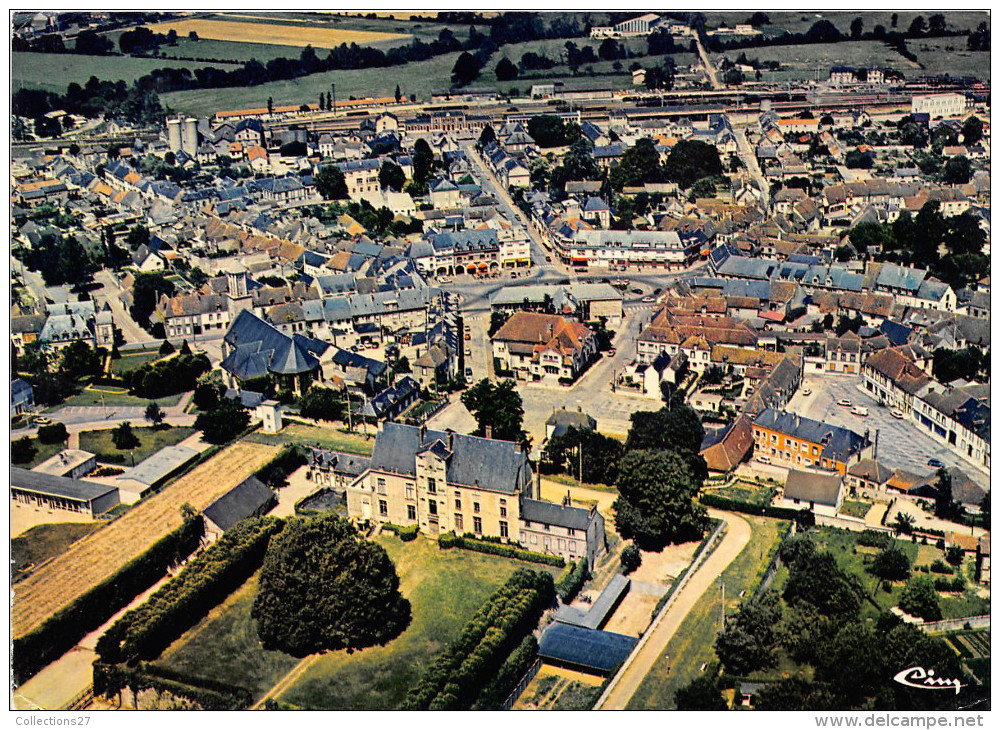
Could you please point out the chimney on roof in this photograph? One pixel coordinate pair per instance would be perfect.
(489, 431)
(451, 440)
(567, 501)
(423, 432)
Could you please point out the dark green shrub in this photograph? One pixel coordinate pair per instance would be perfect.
(54, 433)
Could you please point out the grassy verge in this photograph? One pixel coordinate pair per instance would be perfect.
(93, 397)
(133, 360)
(325, 438)
(44, 542)
(151, 441)
(42, 452)
(691, 645)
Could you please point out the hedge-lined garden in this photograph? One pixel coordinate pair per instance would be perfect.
(63, 630)
(471, 542)
(459, 675)
(498, 689)
(205, 582)
(167, 377)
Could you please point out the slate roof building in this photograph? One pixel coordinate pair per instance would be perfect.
(22, 396)
(141, 479)
(249, 498)
(37, 491)
(443, 481)
(335, 469)
(253, 349)
(787, 439)
(815, 489)
(583, 649)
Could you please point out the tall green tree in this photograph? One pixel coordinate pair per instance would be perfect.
(324, 588)
(330, 183)
(124, 438)
(748, 642)
(690, 161)
(391, 176)
(656, 506)
(497, 408)
(701, 693)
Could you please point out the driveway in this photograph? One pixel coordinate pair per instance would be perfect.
(736, 538)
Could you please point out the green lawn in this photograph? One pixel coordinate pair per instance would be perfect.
(855, 508)
(55, 71)
(691, 645)
(100, 443)
(444, 588)
(326, 438)
(109, 397)
(745, 492)
(224, 646)
(42, 452)
(133, 360)
(44, 542)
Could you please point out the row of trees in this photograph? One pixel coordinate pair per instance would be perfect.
(167, 377)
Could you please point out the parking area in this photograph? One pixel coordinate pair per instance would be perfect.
(901, 444)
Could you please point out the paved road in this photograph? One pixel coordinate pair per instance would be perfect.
(901, 443)
(110, 293)
(749, 159)
(736, 538)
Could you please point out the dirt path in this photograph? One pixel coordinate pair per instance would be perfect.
(285, 682)
(736, 538)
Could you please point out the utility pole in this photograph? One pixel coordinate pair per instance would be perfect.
(350, 419)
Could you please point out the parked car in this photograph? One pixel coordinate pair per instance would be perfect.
(468, 372)
(636, 290)
(549, 259)
(649, 299)
(43, 420)
(897, 414)
(612, 352)
(807, 391)
(859, 411)
(936, 463)
(764, 459)
(845, 402)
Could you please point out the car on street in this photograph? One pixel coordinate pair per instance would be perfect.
(43, 420)
(636, 290)
(897, 414)
(807, 391)
(936, 463)
(845, 402)
(612, 352)
(468, 372)
(859, 411)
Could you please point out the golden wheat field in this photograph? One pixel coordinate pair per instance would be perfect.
(279, 35)
(100, 554)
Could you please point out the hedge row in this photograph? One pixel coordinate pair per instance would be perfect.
(275, 472)
(144, 632)
(498, 689)
(803, 516)
(405, 533)
(875, 539)
(467, 542)
(572, 580)
(957, 585)
(64, 629)
(454, 680)
(110, 679)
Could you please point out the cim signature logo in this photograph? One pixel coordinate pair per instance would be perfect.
(920, 678)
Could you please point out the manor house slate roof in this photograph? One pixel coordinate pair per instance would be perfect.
(488, 464)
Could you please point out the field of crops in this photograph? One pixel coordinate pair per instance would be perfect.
(97, 556)
(950, 56)
(282, 34)
(418, 78)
